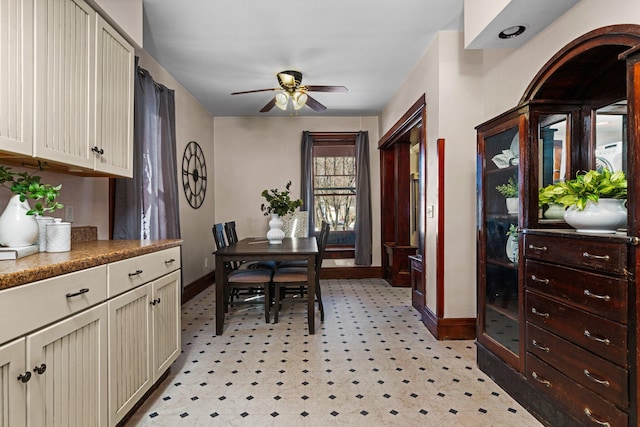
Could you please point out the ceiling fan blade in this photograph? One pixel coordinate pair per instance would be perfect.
(315, 105)
(257, 90)
(338, 89)
(269, 106)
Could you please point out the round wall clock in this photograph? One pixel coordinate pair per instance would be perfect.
(194, 174)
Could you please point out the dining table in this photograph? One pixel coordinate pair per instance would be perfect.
(259, 249)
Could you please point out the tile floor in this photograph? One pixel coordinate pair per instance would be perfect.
(371, 363)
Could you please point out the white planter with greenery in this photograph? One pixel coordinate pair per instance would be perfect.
(279, 204)
(605, 216)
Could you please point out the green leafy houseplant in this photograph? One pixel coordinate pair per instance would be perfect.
(591, 185)
(279, 202)
(28, 187)
(510, 189)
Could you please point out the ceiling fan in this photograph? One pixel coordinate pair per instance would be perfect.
(294, 93)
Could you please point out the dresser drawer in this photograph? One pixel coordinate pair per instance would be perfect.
(596, 334)
(133, 272)
(589, 408)
(602, 255)
(28, 307)
(598, 375)
(602, 295)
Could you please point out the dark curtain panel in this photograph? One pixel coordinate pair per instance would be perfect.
(306, 183)
(363, 201)
(146, 206)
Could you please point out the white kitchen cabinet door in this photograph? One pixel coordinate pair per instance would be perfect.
(65, 52)
(129, 350)
(16, 76)
(68, 361)
(13, 384)
(166, 322)
(113, 149)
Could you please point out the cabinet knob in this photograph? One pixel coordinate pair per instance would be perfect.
(97, 150)
(155, 301)
(25, 377)
(40, 369)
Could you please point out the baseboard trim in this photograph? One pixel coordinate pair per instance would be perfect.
(351, 273)
(460, 328)
(197, 286)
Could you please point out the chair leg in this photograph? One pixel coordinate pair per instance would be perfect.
(319, 297)
(276, 304)
(267, 302)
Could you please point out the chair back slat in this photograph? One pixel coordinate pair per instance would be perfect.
(322, 244)
(230, 231)
(218, 236)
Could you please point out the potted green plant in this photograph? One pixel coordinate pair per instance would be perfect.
(601, 193)
(510, 192)
(18, 226)
(278, 203)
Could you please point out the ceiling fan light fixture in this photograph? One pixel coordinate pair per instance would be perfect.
(282, 99)
(299, 100)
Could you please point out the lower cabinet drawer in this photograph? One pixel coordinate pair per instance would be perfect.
(594, 333)
(589, 408)
(603, 295)
(130, 273)
(28, 307)
(598, 375)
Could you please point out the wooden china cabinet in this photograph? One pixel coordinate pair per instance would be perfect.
(557, 309)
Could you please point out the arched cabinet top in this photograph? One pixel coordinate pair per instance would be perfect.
(587, 68)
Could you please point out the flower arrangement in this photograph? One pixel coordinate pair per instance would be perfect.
(279, 202)
(28, 187)
(510, 189)
(591, 185)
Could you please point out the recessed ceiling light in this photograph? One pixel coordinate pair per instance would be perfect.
(511, 32)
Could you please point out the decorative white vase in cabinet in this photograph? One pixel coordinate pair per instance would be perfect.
(16, 227)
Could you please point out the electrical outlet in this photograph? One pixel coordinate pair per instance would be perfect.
(68, 213)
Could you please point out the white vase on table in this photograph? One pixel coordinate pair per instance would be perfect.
(16, 227)
(275, 233)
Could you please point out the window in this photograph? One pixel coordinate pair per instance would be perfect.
(334, 189)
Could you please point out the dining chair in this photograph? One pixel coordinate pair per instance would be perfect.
(244, 282)
(232, 237)
(296, 278)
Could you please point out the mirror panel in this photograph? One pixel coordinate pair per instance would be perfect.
(610, 137)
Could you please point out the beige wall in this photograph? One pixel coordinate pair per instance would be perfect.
(193, 123)
(257, 153)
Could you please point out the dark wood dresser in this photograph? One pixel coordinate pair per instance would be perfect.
(576, 308)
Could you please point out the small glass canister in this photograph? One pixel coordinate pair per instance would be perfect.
(59, 237)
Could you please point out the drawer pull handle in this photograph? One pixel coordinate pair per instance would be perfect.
(170, 261)
(135, 273)
(538, 345)
(595, 379)
(541, 380)
(589, 414)
(538, 313)
(25, 377)
(592, 295)
(539, 280)
(80, 292)
(596, 338)
(538, 248)
(591, 256)
(40, 369)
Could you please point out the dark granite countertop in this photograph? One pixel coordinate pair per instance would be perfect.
(83, 255)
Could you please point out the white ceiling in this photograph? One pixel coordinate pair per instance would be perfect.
(215, 47)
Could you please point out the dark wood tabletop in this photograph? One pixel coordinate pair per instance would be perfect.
(257, 249)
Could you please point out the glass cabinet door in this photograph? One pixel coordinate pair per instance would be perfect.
(499, 297)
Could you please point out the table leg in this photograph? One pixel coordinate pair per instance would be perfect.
(311, 295)
(219, 294)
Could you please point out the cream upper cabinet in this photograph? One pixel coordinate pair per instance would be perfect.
(65, 51)
(83, 90)
(16, 76)
(113, 149)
